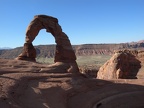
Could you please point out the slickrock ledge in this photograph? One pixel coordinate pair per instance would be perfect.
(24, 85)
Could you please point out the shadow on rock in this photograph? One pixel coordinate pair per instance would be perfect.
(122, 65)
(72, 91)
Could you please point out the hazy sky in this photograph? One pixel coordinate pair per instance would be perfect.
(84, 21)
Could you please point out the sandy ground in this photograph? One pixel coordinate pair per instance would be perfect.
(24, 85)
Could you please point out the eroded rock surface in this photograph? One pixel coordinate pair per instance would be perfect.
(64, 52)
(124, 64)
(24, 85)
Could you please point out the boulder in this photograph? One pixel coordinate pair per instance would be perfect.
(124, 64)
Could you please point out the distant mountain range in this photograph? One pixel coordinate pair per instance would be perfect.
(80, 50)
(3, 48)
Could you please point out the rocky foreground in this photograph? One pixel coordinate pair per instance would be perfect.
(26, 84)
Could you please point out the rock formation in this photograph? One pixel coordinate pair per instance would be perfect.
(23, 85)
(64, 53)
(124, 64)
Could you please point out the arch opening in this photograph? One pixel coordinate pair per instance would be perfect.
(64, 52)
(44, 38)
(44, 44)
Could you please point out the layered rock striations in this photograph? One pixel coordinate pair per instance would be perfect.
(80, 50)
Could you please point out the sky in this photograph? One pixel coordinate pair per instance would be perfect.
(84, 21)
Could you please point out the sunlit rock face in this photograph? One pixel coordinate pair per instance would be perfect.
(63, 53)
(124, 64)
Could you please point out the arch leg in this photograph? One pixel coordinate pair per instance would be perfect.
(64, 55)
(29, 52)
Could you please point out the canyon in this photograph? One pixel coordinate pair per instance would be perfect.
(80, 50)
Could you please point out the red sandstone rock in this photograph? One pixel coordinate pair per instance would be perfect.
(64, 52)
(24, 85)
(29, 53)
(124, 64)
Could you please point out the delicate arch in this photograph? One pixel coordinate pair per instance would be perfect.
(64, 52)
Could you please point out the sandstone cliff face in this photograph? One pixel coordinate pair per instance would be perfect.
(105, 49)
(124, 64)
(80, 50)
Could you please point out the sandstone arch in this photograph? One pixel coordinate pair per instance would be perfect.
(64, 52)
